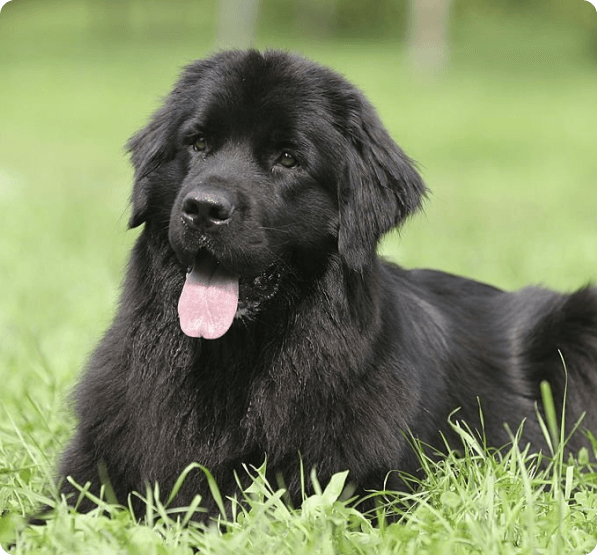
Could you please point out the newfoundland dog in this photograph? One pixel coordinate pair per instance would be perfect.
(257, 323)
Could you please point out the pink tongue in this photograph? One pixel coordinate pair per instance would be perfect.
(208, 301)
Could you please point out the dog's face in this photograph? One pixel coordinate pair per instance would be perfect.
(259, 165)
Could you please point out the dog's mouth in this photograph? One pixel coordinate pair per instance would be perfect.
(209, 299)
(213, 296)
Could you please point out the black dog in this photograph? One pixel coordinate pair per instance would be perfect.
(256, 320)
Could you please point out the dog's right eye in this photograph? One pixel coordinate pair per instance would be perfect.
(287, 160)
(200, 144)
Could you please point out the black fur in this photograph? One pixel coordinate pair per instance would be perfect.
(338, 356)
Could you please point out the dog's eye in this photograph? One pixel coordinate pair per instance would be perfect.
(287, 160)
(200, 144)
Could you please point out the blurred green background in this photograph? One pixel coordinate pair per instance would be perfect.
(503, 125)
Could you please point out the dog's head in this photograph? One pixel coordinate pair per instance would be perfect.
(258, 163)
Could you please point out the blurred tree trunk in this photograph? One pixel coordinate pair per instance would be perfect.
(428, 35)
(237, 23)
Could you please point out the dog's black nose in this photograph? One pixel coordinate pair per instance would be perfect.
(205, 209)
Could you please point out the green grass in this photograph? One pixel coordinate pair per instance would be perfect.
(474, 502)
(506, 141)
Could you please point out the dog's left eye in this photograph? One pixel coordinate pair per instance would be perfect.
(287, 160)
(200, 144)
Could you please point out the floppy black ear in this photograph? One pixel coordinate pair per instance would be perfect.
(149, 148)
(381, 188)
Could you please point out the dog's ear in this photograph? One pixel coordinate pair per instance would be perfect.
(381, 187)
(149, 149)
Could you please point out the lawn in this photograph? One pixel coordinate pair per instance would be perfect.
(506, 140)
